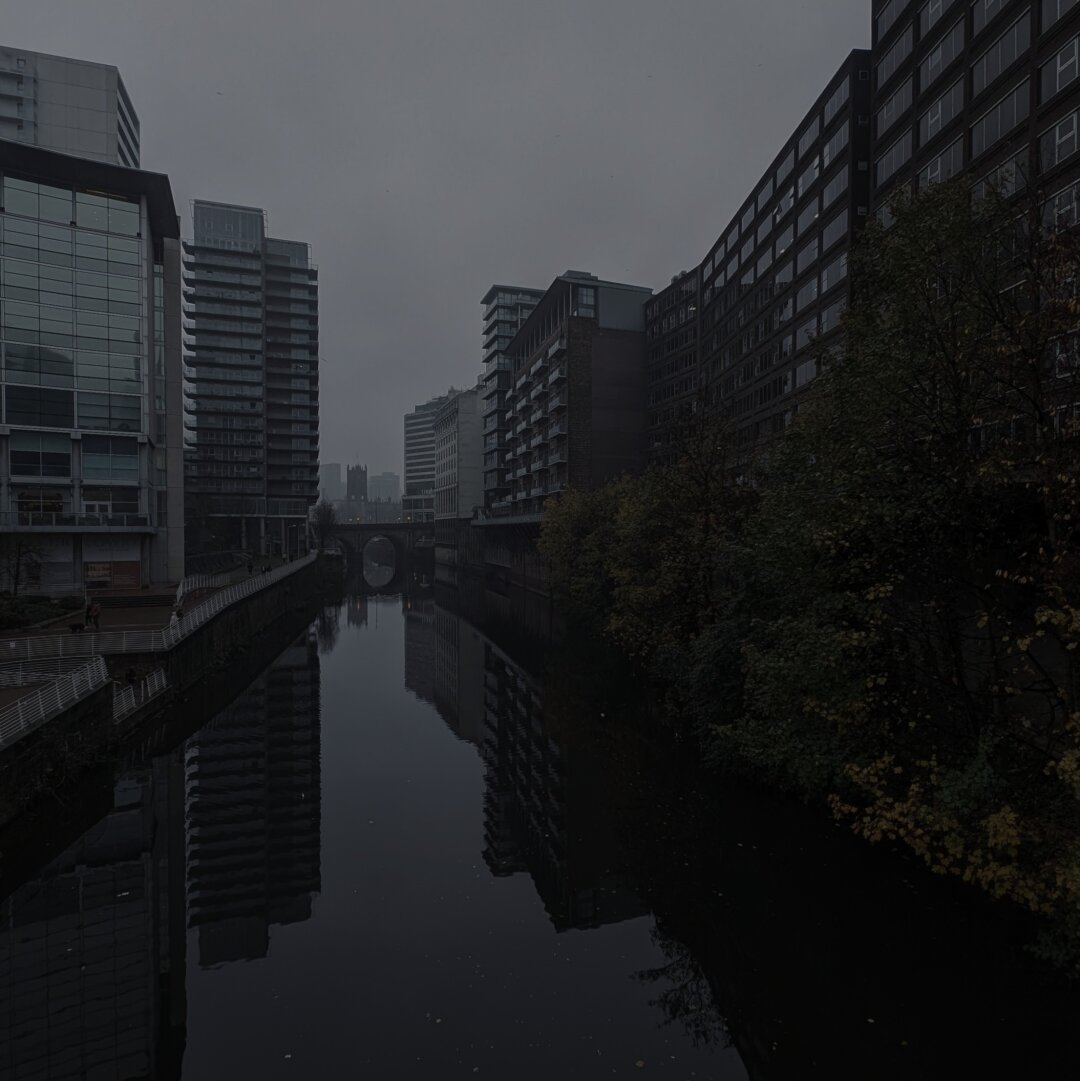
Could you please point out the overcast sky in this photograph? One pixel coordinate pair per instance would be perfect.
(428, 148)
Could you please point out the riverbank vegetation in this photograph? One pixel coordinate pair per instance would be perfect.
(882, 610)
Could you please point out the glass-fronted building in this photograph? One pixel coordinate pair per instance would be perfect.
(252, 337)
(91, 447)
(73, 106)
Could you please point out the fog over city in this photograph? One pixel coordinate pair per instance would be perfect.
(428, 149)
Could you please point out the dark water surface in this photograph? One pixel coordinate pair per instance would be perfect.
(398, 855)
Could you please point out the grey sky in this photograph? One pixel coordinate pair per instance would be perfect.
(427, 148)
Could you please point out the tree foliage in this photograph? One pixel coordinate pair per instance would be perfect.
(891, 621)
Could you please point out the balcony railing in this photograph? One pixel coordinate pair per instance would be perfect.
(48, 520)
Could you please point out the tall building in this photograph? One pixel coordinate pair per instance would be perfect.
(418, 502)
(776, 279)
(72, 106)
(253, 811)
(356, 487)
(252, 314)
(331, 486)
(990, 89)
(384, 488)
(91, 448)
(577, 403)
(506, 307)
(459, 485)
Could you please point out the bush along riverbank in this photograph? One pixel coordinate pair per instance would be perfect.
(882, 612)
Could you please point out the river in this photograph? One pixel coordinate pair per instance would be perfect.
(412, 850)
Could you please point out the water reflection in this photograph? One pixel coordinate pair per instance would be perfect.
(380, 562)
(221, 834)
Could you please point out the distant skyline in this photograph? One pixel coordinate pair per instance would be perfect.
(427, 150)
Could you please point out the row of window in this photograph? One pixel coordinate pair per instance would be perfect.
(41, 454)
(45, 202)
(45, 407)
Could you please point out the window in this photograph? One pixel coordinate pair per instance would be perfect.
(784, 240)
(808, 216)
(1002, 54)
(895, 106)
(930, 13)
(39, 407)
(809, 175)
(41, 201)
(807, 255)
(1059, 142)
(941, 112)
(942, 55)
(747, 250)
(836, 144)
(983, 11)
(109, 458)
(1060, 70)
(834, 273)
(1052, 10)
(109, 412)
(837, 100)
(1000, 119)
(747, 218)
(35, 454)
(834, 189)
(37, 365)
(783, 170)
(1008, 178)
(897, 54)
(764, 195)
(835, 230)
(887, 16)
(783, 275)
(807, 294)
(809, 136)
(830, 317)
(805, 335)
(1063, 209)
(763, 230)
(894, 157)
(947, 164)
(785, 203)
(764, 262)
(111, 500)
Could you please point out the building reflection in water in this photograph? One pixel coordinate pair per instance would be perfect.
(544, 813)
(92, 952)
(419, 612)
(223, 833)
(252, 805)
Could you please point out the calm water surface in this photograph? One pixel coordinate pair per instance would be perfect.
(398, 855)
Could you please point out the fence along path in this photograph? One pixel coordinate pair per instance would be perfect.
(160, 641)
(130, 699)
(23, 716)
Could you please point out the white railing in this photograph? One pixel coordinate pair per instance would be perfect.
(130, 699)
(198, 582)
(27, 673)
(160, 641)
(35, 709)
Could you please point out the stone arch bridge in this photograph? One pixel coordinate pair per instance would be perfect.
(413, 543)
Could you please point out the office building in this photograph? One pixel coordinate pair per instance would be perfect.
(384, 488)
(252, 314)
(91, 448)
(506, 307)
(776, 279)
(71, 106)
(418, 502)
(459, 484)
(331, 486)
(989, 89)
(577, 401)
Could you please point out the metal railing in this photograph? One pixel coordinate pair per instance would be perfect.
(130, 699)
(28, 673)
(197, 582)
(24, 519)
(29, 713)
(161, 641)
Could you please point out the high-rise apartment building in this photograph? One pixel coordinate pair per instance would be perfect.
(72, 106)
(253, 356)
(91, 448)
(418, 502)
(990, 89)
(776, 279)
(576, 406)
(506, 307)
